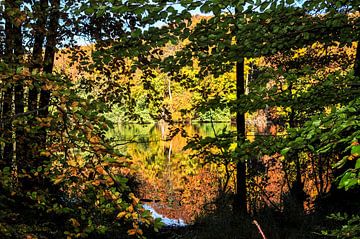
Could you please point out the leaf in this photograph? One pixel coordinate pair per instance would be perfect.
(58, 180)
(120, 215)
(284, 151)
(316, 123)
(355, 150)
(100, 170)
(74, 222)
(264, 5)
(45, 153)
(96, 182)
(131, 232)
(357, 165)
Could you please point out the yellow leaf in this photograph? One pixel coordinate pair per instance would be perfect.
(130, 208)
(58, 180)
(45, 153)
(71, 162)
(80, 160)
(134, 215)
(233, 146)
(74, 222)
(120, 215)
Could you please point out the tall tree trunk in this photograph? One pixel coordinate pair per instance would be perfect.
(50, 51)
(19, 93)
(7, 104)
(1, 128)
(355, 87)
(297, 192)
(240, 202)
(36, 65)
(357, 63)
(37, 58)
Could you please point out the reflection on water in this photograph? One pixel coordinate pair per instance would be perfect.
(177, 184)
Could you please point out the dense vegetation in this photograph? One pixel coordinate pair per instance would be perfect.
(294, 66)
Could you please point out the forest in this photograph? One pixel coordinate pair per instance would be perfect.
(231, 119)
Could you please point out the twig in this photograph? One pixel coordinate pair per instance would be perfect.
(259, 228)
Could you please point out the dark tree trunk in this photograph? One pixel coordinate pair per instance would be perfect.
(240, 202)
(37, 58)
(297, 192)
(8, 95)
(35, 66)
(1, 129)
(50, 51)
(19, 95)
(7, 127)
(357, 63)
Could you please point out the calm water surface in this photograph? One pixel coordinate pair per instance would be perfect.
(171, 181)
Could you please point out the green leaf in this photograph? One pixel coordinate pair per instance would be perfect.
(316, 123)
(355, 150)
(264, 5)
(285, 150)
(357, 165)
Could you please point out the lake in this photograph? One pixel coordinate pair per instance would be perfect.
(171, 181)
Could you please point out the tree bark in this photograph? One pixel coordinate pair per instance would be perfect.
(7, 104)
(297, 187)
(41, 11)
(50, 51)
(19, 92)
(37, 58)
(357, 63)
(240, 202)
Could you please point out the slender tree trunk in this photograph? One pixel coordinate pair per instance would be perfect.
(169, 89)
(37, 58)
(7, 127)
(19, 94)
(1, 128)
(240, 202)
(357, 63)
(50, 51)
(8, 96)
(297, 187)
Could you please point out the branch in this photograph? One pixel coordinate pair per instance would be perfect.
(259, 228)
(24, 113)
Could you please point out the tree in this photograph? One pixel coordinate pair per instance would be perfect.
(267, 28)
(52, 137)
